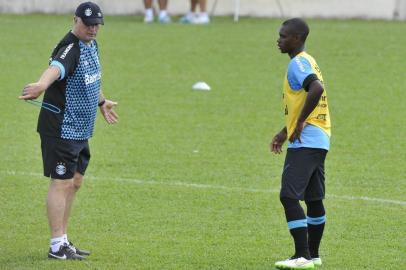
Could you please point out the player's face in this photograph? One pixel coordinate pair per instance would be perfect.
(286, 41)
(85, 32)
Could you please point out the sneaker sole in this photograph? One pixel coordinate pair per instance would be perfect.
(282, 267)
(317, 263)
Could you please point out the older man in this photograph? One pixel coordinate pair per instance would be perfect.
(72, 87)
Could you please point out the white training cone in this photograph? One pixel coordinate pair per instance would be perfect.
(201, 86)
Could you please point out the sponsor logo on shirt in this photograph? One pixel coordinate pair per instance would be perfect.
(65, 52)
(92, 78)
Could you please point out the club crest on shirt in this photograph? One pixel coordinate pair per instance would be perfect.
(60, 168)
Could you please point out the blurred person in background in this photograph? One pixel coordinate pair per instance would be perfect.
(194, 17)
(163, 16)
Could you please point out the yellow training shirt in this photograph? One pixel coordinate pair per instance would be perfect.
(302, 69)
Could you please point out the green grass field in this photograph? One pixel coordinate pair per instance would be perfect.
(186, 180)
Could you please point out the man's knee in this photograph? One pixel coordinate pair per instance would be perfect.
(289, 203)
(61, 184)
(77, 181)
(315, 208)
(293, 210)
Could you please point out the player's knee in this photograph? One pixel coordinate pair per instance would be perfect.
(289, 203)
(293, 210)
(315, 208)
(76, 185)
(77, 181)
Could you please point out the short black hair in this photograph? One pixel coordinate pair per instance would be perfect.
(298, 26)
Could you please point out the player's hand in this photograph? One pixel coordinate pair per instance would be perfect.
(31, 91)
(107, 109)
(277, 142)
(297, 132)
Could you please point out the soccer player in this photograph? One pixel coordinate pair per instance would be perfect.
(308, 131)
(72, 84)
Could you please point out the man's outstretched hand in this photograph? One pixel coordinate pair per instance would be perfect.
(107, 109)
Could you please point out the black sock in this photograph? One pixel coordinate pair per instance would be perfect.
(297, 224)
(315, 234)
(316, 220)
(301, 244)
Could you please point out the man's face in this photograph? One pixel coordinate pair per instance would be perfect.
(287, 41)
(85, 32)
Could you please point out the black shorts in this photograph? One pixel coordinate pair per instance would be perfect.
(303, 174)
(62, 158)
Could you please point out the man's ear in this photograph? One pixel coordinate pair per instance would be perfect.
(297, 37)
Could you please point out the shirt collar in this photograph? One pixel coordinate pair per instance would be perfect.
(87, 46)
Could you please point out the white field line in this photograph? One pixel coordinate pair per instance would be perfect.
(215, 187)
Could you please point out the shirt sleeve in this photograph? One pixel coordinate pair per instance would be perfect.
(298, 70)
(66, 59)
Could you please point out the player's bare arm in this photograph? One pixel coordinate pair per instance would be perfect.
(34, 90)
(313, 96)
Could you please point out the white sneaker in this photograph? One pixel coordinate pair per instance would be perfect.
(165, 19)
(201, 19)
(149, 15)
(187, 19)
(317, 261)
(148, 19)
(298, 263)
